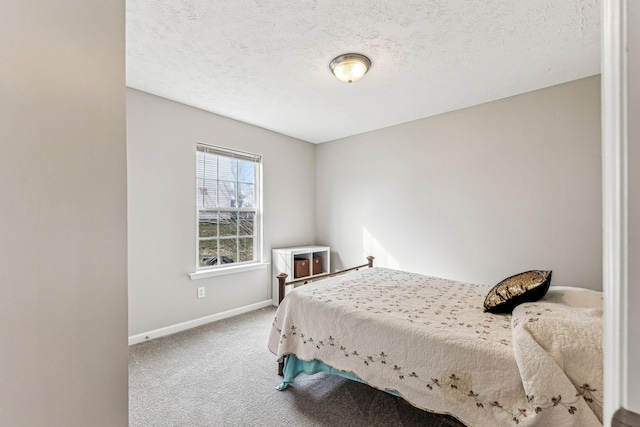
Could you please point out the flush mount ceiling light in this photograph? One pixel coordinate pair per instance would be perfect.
(350, 67)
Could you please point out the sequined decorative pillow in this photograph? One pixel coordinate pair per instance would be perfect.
(524, 287)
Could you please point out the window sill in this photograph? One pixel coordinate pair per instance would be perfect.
(203, 274)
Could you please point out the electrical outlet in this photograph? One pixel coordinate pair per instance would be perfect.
(201, 292)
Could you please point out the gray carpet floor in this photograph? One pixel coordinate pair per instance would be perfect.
(222, 374)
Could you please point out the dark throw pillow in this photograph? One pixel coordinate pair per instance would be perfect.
(524, 287)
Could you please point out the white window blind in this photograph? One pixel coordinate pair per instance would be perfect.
(228, 205)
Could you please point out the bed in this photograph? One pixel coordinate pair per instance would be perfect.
(429, 341)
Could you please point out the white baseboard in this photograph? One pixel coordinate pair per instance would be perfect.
(157, 333)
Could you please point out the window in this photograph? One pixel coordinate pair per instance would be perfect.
(228, 204)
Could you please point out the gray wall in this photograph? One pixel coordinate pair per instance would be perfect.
(633, 96)
(63, 272)
(476, 194)
(161, 138)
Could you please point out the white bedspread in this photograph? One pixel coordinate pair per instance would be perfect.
(429, 340)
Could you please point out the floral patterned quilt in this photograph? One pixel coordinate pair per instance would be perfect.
(429, 340)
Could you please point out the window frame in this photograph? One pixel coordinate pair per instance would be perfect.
(258, 250)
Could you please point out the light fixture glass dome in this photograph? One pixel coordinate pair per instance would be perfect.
(350, 67)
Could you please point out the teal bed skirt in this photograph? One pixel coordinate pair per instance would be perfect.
(294, 366)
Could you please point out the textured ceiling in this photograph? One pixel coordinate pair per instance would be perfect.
(266, 62)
